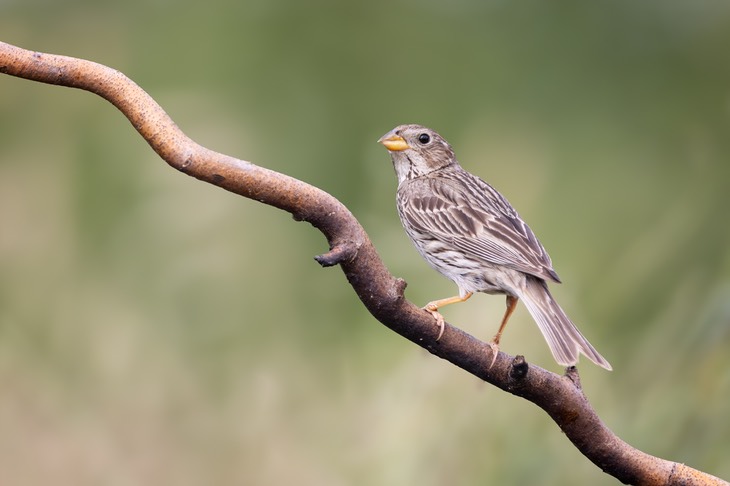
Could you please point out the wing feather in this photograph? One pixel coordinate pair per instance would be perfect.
(473, 217)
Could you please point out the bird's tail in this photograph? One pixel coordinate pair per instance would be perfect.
(564, 339)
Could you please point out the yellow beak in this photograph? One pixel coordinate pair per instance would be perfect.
(393, 142)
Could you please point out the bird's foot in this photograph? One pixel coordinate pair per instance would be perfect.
(439, 318)
(494, 346)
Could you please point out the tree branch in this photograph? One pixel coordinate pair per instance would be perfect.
(560, 396)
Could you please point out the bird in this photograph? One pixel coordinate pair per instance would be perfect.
(466, 230)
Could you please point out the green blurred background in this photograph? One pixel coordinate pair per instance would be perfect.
(157, 330)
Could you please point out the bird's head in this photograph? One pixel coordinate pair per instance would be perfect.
(416, 151)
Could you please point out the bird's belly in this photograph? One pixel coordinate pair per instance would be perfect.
(468, 273)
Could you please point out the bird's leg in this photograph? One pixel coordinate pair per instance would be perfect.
(494, 343)
(433, 307)
(511, 305)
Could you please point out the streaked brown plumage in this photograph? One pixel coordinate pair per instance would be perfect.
(471, 234)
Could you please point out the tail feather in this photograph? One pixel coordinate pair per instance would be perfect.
(565, 340)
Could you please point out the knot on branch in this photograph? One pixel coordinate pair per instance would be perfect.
(341, 252)
(571, 373)
(400, 287)
(519, 368)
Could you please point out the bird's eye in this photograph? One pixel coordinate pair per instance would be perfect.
(424, 138)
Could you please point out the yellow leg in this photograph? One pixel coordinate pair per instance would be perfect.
(511, 305)
(494, 344)
(433, 307)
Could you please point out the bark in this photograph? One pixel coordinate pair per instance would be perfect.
(381, 293)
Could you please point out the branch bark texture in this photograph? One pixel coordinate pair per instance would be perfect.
(381, 293)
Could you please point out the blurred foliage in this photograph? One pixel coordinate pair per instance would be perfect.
(155, 330)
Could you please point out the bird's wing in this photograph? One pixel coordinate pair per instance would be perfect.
(478, 221)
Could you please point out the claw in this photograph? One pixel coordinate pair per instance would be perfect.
(439, 320)
(433, 306)
(495, 351)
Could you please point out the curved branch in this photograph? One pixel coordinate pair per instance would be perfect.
(560, 396)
